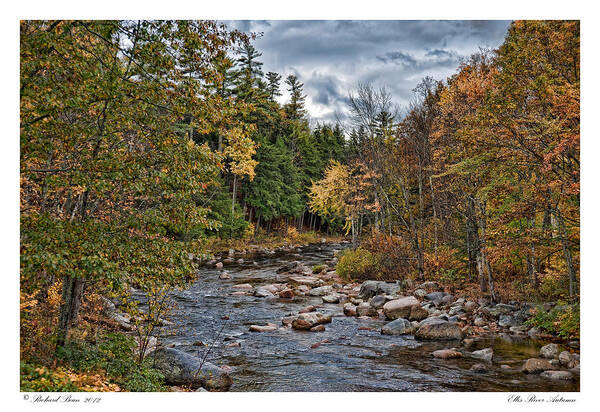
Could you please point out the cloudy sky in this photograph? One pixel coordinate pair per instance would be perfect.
(331, 57)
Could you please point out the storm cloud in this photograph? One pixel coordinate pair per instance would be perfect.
(331, 57)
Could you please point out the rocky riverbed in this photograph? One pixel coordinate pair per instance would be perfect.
(271, 324)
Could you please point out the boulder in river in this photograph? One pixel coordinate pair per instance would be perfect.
(372, 288)
(399, 326)
(418, 313)
(321, 291)
(399, 308)
(180, 368)
(331, 298)
(305, 321)
(219, 265)
(557, 375)
(261, 292)
(378, 301)
(479, 368)
(286, 294)
(433, 296)
(447, 354)
(309, 281)
(349, 309)
(439, 329)
(485, 354)
(549, 351)
(269, 327)
(535, 365)
(364, 309)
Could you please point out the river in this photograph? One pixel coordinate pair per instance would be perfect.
(353, 360)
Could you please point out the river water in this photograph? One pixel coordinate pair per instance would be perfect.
(353, 360)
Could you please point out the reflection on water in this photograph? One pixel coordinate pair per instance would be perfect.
(353, 360)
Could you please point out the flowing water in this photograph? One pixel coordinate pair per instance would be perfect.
(353, 360)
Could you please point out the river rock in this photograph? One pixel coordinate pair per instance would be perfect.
(485, 354)
(536, 365)
(321, 291)
(565, 357)
(332, 298)
(224, 276)
(479, 321)
(262, 293)
(557, 375)
(286, 294)
(399, 326)
(228, 261)
(507, 321)
(269, 327)
(242, 286)
(433, 296)
(180, 368)
(308, 309)
(470, 306)
(549, 351)
(418, 313)
(447, 299)
(305, 321)
(447, 354)
(399, 308)
(438, 330)
(309, 281)
(371, 288)
(287, 320)
(349, 309)
(377, 301)
(318, 328)
(219, 265)
(364, 309)
(420, 293)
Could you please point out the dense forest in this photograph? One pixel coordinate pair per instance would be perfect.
(144, 144)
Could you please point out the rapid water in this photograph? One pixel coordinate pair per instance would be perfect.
(353, 360)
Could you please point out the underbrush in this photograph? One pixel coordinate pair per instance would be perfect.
(108, 365)
(562, 321)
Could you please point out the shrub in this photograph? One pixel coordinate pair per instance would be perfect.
(394, 257)
(358, 264)
(562, 321)
(318, 268)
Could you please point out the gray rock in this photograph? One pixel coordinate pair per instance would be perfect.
(549, 351)
(447, 299)
(507, 321)
(372, 288)
(420, 293)
(470, 306)
(439, 330)
(399, 308)
(263, 293)
(378, 301)
(557, 375)
(180, 368)
(399, 326)
(484, 354)
(456, 310)
(321, 291)
(565, 357)
(332, 298)
(433, 296)
(364, 309)
(479, 322)
(430, 286)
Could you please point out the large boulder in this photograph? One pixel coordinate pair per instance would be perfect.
(305, 321)
(378, 301)
(180, 368)
(418, 313)
(549, 351)
(557, 375)
(321, 291)
(439, 329)
(434, 296)
(485, 354)
(399, 308)
(364, 309)
(535, 365)
(399, 326)
(372, 288)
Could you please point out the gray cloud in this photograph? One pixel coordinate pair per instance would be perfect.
(331, 57)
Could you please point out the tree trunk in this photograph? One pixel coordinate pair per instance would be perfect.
(69, 309)
(567, 254)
